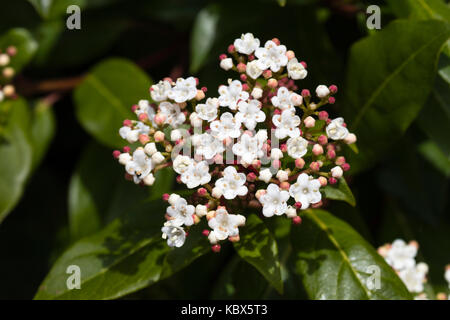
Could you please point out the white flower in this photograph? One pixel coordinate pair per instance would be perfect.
(159, 91)
(257, 93)
(401, 255)
(226, 63)
(283, 99)
(335, 130)
(272, 56)
(181, 213)
(265, 175)
(246, 44)
(287, 124)
(296, 70)
(124, 158)
(208, 111)
(276, 154)
(196, 121)
(157, 158)
(149, 180)
(232, 183)
(227, 126)
(306, 190)
(173, 114)
(336, 172)
(225, 225)
(184, 90)
(231, 94)
(282, 175)
(139, 166)
(414, 277)
(201, 210)
(291, 212)
(297, 147)
(208, 146)
(196, 174)
(145, 107)
(150, 148)
(274, 201)
(253, 69)
(176, 236)
(250, 148)
(322, 91)
(131, 135)
(250, 113)
(182, 163)
(173, 199)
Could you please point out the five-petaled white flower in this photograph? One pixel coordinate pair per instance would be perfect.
(401, 255)
(208, 146)
(196, 174)
(173, 114)
(231, 94)
(296, 70)
(272, 56)
(181, 213)
(414, 277)
(297, 147)
(208, 111)
(140, 165)
(225, 225)
(184, 90)
(227, 127)
(274, 201)
(250, 113)
(159, 92)
(283, 99)
(232, 183)
(182, 163)
(287, 124)
(176, 236)
(253, 69)
(336, 130)
(249, 148)
(306, 190)
(246, 44)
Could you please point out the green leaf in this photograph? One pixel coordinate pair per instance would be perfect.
(432, 153)
(334, 261)
(103, 100)
(49, 9)
(420, 9)
(42, 131)
(25, 44)
(98, 192)
(203, 36)
(282, 3)
(259, 248)
(340, 191)
(381, 103)
(164, 180)
(16, 154)
(126, 256)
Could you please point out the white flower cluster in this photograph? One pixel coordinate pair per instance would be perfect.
(228, 155)
(6, 73)
(401, 256)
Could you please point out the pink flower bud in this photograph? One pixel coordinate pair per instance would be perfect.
(201, 192)
(345, 167)
(222, 56)
(134, 107)
(306, 93)
(231, 48)
(165, 197)
(314, 166)
(243, 77)
(251, 177)
(290, 54)
(299, 163)
(144, 139)
(251, 57)
(333, 88)
(323, 115)
(272, 83)
(11, 51)
(159, 119)
(200, 95)
(303, 63)
(267, 74)
(245, 87)
(241, 67)
(331, 154)
(340, 160)
(216, 248)
(256, 164)
(298, 205)
(205, 232)
(126, 149)
(317, 149)
(116, 154)
(297, 220)
(127, 123)
(331, 100)
(143, 117)
(323, 140)
(204, 89)
(323, 181)
(283, 147)
(159, 136)
(285, 185)
(332, 180)
(309, 122)
(277, 41)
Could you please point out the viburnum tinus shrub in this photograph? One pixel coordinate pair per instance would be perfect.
(261, 144)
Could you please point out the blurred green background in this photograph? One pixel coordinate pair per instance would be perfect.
(71, 186)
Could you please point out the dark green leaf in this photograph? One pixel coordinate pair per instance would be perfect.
(432, 153)
(333, 261)
(420, 9)
(103, 100)
(381, 103)
(258, 247)
(340, 191)
(42, 131)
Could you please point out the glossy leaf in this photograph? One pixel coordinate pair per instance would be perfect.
(339, 191)
(433, 154)
(335, 262)
(380, 104)
(25, 44)
(104, 99)
(259, 248)
(43, 128)
(203, 36)
(16, 154)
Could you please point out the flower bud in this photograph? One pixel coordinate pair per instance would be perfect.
(159, 119)
(267, 74)
(322, 91)
(272, 83)
(296, 99)
(4, 59)
(216, 193)
(285, 185)
(257, 93)
(175, 135)
(345, 167)
(323, 115)
(159, 136)
(216, 248)
(323, 181)
(297, 220)
(143, 139)
(340, 161)
(337, 172)
(150, 148)
(350, 138)
(251, 177)
(241, 67)
(265, 175)
(276, 154)
(201, 210)
(282, 175)
(314, 166)
(305, 93)
(116, 154)
(200, 95)
(290, 54)
(299, 163)
(226, 64)
(317, 149)
(332, 180)
(322, 139)
(333, 89)
(291, 212)
(157, 158)
(309, 122)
